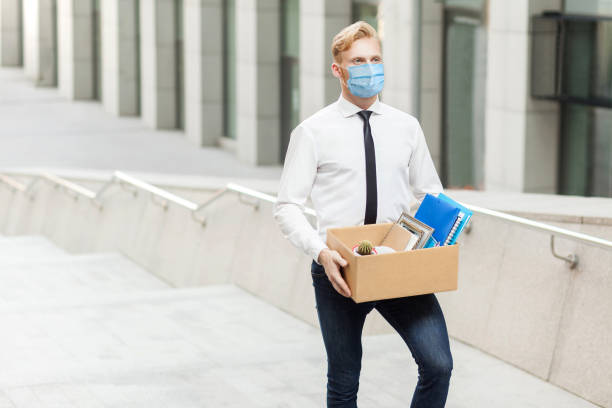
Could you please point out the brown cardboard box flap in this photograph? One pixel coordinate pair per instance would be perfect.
(397, 237)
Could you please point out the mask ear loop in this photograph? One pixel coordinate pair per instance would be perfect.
(344, 81)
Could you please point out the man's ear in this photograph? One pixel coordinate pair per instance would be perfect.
(338, 72)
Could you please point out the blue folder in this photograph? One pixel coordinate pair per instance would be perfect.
(438, 214)
(467, 214)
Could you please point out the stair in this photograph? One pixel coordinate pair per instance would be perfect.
(28, 247)
(97, 330)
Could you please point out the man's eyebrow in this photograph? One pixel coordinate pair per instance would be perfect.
(371, 56)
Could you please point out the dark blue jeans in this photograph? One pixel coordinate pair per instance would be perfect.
(417, 319)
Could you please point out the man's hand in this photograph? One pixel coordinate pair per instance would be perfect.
(332, 261)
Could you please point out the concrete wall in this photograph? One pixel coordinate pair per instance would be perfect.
(515, 300)
(120, 93)
(75, 49)
(10, 33)
(258, 79)
(157, 64)
(203, 71)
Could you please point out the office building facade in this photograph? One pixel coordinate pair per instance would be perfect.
(512, 96)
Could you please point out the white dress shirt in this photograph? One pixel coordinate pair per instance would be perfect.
(326, 160)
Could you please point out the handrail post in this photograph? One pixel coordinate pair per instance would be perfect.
(571, 259)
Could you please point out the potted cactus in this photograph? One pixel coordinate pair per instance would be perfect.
(365, 247)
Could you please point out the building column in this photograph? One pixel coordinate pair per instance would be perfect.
(158, 87)
(412, 32)
(11, 54)
(258, 73)
(521, 134)
(39, 42)
(76, 54)
(400, 35)
(320, 21)
(120, 56)
(47, 43)
(430, 77)
(31, 37)
(203, 71)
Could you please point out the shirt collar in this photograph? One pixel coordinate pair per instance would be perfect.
(347, 108)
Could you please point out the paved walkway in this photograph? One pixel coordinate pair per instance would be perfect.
(100, 334)
(40, 128)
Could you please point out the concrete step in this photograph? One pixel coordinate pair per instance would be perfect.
(219, 346)
(70, 276)
(28, 247)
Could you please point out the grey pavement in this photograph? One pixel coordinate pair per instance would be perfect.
(95, 330)
(39, 128)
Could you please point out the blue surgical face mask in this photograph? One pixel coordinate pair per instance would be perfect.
(366, 80)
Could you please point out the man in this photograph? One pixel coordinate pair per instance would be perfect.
(362, 162)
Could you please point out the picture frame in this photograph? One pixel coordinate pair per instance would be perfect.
(421, 231)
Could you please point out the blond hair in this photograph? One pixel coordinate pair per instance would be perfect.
(345, 38)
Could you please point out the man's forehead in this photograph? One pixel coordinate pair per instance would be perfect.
(363, 54)
(364, 47)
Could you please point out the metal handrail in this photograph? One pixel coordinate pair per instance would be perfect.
(13, 184)
(69, 185)
(125, 180)
(572, 258)
(540, 226)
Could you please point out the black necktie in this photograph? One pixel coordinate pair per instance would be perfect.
(370, 161)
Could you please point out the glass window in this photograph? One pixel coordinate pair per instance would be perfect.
(179, 57)
(463, 107)
(97, 51)
(586, 150)
(290, 70)
(229, 69)
(584, 89)
(137, 53)
(571, 59)
(588, 6)
(366, 10)
(474, 5)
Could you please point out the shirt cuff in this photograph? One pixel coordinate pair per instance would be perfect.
(316, 250)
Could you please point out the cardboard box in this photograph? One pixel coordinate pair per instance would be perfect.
(392, 275)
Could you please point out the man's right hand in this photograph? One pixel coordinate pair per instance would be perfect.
(332, 261)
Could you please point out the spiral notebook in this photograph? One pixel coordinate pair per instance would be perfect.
(439, 214)
(445, 215)
(462, 219)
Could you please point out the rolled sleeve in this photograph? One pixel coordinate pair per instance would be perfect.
(297, 178)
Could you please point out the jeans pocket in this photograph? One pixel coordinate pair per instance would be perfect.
(317, 270)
